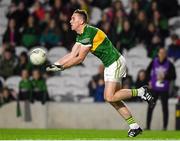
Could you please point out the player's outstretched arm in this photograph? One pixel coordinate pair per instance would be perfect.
(74, 52)
(76, 56)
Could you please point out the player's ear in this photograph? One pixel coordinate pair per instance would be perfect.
(82, 22)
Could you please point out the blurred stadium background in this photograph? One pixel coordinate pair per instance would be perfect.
(33, 98)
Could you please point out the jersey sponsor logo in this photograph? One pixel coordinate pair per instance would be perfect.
(85, 41)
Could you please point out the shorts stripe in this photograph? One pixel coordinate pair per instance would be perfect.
(117, 71)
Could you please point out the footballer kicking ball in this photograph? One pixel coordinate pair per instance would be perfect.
(37, 56)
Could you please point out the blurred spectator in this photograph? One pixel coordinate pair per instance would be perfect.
(127, 82)
(160, 73)
(45, 22)
(18, 13)
(94, 81)
(63, 18)
(156, 43)
(99, 92)
(39, 92)
(5, 96)
(102, 3)
(110, 32)
(168, 8)
(68, 36)
(141, 79)
(30, 33)
(135, 8)
(46, 5)
(51, 35)
(126, 37)
(119, 18)
(103, 20)
(116, 12)
(12, 11)
(38, 11)
(23, 63)
(25, 86)
(140, 26)
(8, 63)
(152, 40)
(84, 5)
(174, 48)
(161, 23)
(28, 3)
(71, 6)
(153, 7)
(11, 36)
(57, 8)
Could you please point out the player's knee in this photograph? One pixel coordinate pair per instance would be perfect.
(109, 98)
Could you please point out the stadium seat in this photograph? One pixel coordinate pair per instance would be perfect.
(56, 86)
(92, 62)
(3, 21)
(56, 52)
(5, 2)
(80, 92)
(174, 22)
(3, 11)
(88, 71)
(177, 67)
(126, 3)
(2, 29)
(177, 31)
(73, 72)
(178, 78)
(1, 40)
(77, 85)
(74, 81)
(177, 64)
(138, 51)
(20, 49)
(13, 82)
(134, 64)
(168, 41)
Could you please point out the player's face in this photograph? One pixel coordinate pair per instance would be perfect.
(75, 21)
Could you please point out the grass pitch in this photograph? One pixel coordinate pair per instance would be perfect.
(76, 134)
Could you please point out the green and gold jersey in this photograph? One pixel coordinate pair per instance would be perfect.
(100, 45)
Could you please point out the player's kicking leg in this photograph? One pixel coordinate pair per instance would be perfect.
(115, 96)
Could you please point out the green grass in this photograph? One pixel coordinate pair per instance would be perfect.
(70, 134)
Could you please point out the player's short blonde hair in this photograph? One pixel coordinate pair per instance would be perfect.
(83, 13)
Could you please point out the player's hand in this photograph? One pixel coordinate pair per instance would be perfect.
(54, 68)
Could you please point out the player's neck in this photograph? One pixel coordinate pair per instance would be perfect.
(81, 29)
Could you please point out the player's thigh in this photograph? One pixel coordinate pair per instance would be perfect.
(116, 71)
(113, 76)
(110, 89)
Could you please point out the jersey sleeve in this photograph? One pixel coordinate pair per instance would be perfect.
(85, 41)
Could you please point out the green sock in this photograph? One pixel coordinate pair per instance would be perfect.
(130, 120)
(134, 92)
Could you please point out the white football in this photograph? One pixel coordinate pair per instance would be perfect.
(38, 56)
